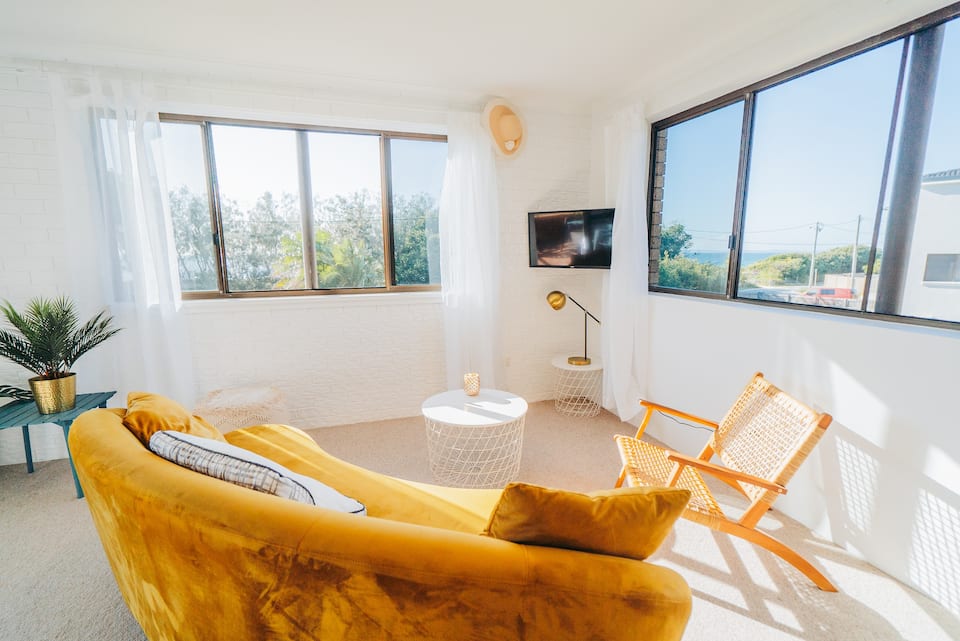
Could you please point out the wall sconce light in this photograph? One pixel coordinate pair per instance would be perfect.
(557, 300)
(505, 126)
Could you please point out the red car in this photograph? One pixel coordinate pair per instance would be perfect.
(831, 292)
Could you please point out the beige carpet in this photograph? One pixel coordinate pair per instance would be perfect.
(55, 583)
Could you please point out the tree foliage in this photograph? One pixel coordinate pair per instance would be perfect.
(264, 245)
(253, 240)
(683, 272)
(673, 240)
(837, 260)
(782, 269)
(416, 222)
(680, 271)
(794, 268)
(194, 240)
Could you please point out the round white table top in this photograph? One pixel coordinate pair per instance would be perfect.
(560, 362)
(489, 407)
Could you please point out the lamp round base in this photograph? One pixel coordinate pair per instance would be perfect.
(578, 360)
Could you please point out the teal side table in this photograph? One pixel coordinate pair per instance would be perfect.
(23, 414)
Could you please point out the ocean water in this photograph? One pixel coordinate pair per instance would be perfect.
(721, 257)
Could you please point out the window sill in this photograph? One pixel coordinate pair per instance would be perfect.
(274, 303)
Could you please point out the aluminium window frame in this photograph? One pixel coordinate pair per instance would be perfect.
(747, 95)
(301, 130)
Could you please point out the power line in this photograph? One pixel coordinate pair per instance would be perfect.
(707, 231)
(770, 231)
(778, 229)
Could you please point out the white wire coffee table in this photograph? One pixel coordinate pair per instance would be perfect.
(474, 441)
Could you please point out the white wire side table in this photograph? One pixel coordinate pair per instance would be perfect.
(578, 387)
(474, 441)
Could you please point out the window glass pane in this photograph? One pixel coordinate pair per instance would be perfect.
(699, 170)
(189, 205)
(931, 289)
(345, 176)
(416, 168)
(815, 172)
(260, 202)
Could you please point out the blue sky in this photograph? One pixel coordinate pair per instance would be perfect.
(817, 156)
(251, 161)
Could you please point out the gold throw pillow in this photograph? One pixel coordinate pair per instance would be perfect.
(149, 413)
(630, 522)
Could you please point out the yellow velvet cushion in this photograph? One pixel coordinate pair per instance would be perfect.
(630, 522)
(150, 413)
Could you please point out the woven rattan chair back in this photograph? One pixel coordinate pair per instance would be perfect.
(766, 433)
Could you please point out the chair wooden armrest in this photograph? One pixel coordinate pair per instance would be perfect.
(724, 473)
(651, 406)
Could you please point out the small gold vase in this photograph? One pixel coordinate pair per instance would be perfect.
(471, 384)
(54, 395)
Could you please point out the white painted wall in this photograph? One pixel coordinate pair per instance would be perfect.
(338, 359)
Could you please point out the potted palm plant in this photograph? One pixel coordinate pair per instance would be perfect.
(47, 339)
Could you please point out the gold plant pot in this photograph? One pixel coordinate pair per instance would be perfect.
(54, 395)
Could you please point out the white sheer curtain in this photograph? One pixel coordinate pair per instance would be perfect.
(470, 256)
(122, 253)
(625, 315)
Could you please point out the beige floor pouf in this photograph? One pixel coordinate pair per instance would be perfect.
(236, 407)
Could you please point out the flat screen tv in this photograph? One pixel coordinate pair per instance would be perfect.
(572, 238)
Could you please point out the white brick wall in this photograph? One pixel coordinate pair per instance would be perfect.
(552, 172)
(30, 207)
(338, 359)
(31, 224)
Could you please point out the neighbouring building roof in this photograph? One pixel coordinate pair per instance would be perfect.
(942, 182)
(949, 175)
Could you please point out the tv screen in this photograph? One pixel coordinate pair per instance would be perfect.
(574, 238)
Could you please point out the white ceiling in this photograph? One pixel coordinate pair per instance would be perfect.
(570, 54)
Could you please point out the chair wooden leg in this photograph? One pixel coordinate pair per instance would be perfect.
(786, 553)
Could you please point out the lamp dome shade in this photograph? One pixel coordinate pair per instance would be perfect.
(557, 299)
(505, 126)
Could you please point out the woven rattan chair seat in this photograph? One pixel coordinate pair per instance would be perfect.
(647, 465)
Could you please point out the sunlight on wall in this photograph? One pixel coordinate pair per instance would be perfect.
(935, 554)
(859, 479)
(856, 453)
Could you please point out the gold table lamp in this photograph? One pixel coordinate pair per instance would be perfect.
(557, 300)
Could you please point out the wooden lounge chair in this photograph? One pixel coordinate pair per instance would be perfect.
(761, 441)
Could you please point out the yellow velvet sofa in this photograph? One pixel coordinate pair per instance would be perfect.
(197, 558)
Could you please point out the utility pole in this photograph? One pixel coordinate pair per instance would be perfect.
(853, 254)
(813, 257)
